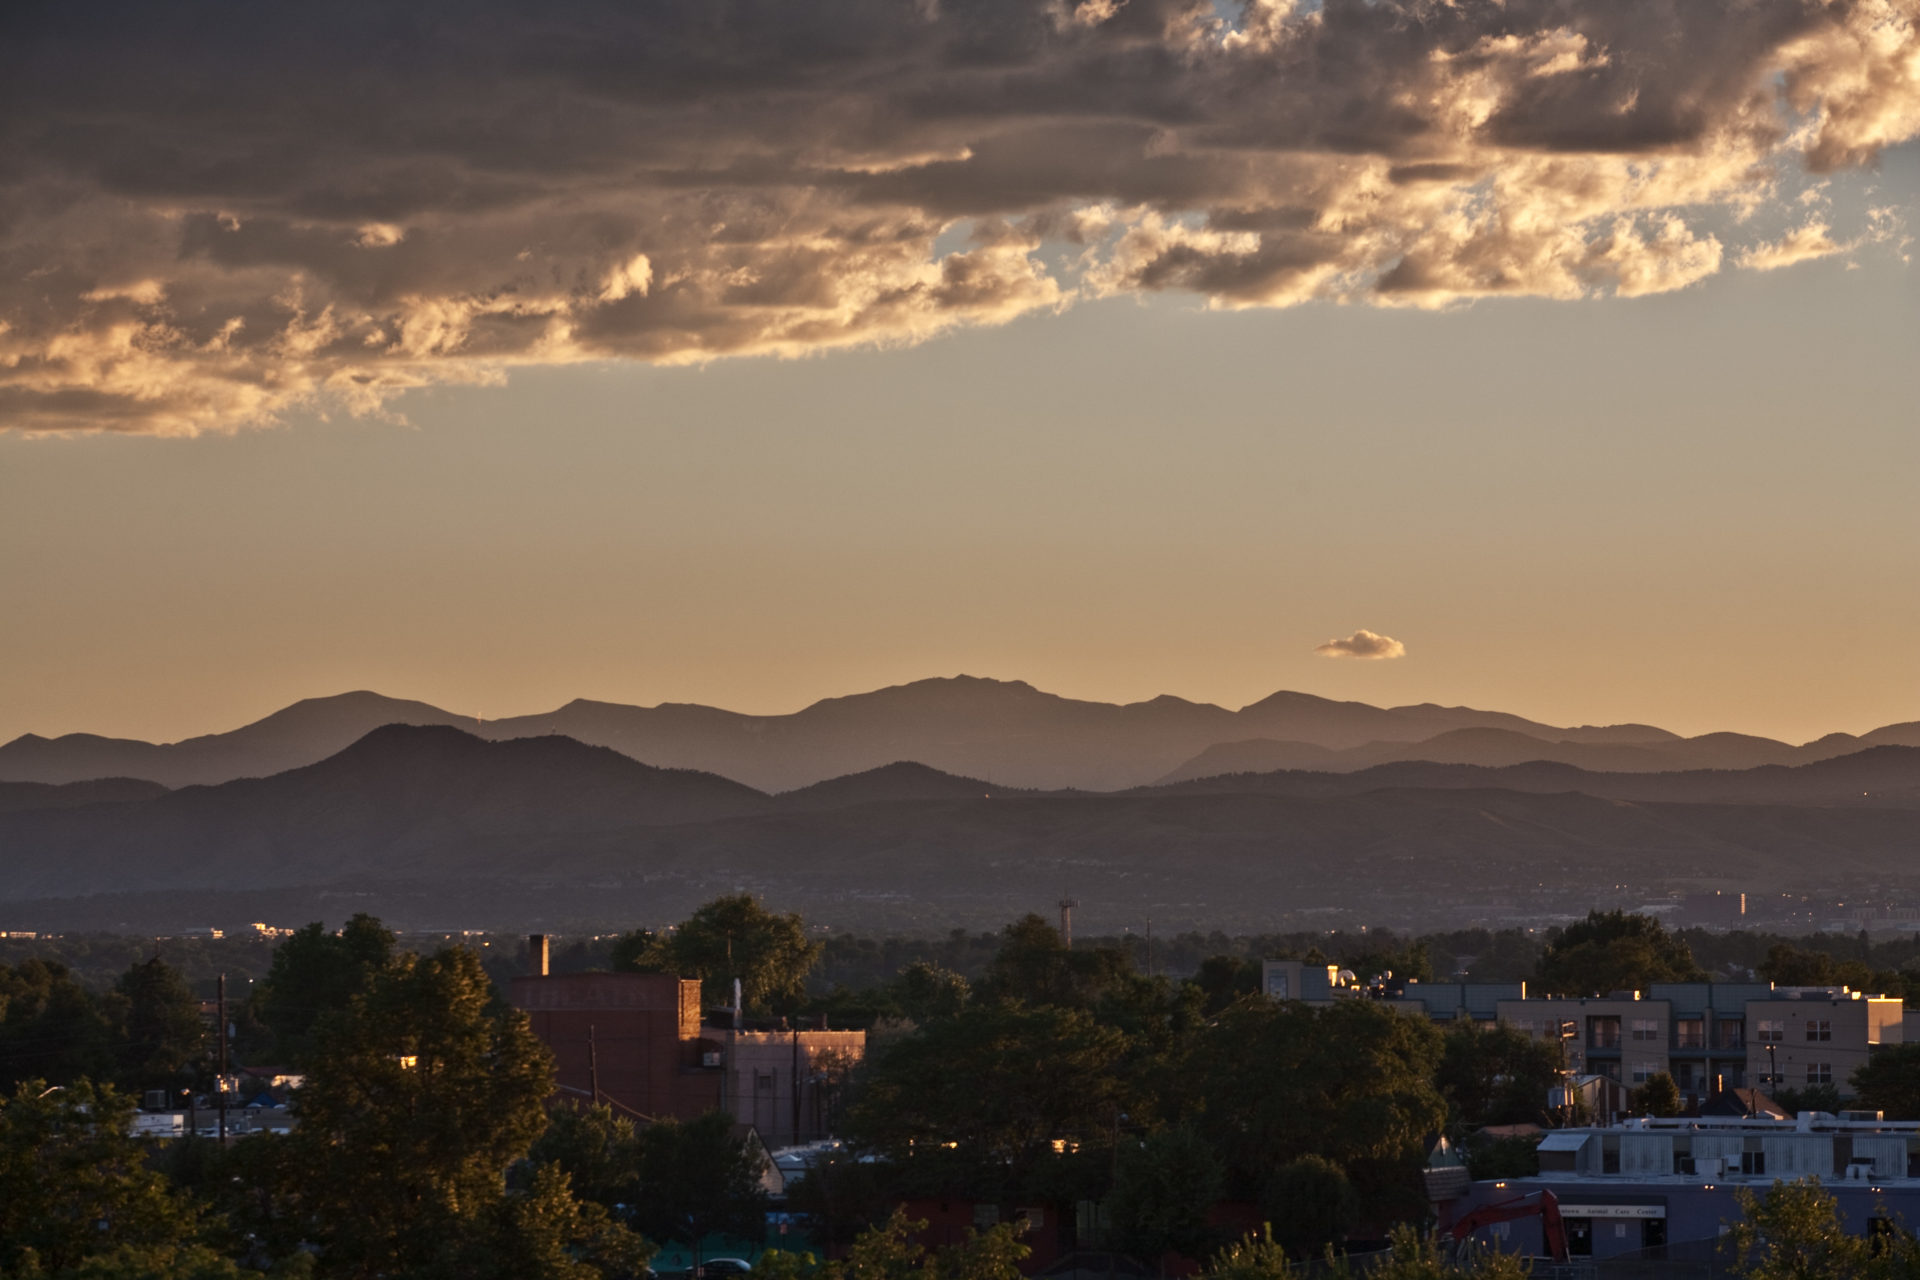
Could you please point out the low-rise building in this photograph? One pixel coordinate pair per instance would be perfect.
(1649, 1184)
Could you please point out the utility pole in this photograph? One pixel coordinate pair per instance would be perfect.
(221, 1031)
(1066, 921)
(593, 1066)
(796, 1079)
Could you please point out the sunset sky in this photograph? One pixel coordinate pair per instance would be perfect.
(750, 353)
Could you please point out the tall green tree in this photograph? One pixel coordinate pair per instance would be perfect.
(729, 938)
(1794, 1232)
(1163, 1188)
(51, 1028)
(162, 1036)
(1889, 1081)
(1615, 951)
(698, 1178)
(75, 1188)
(1269, 1083)
(1312, 1202)
(316, 973)
(1659, 1096)
(1003, 1082)
(1495, 1075)
(1034, 965)
(419, 1098)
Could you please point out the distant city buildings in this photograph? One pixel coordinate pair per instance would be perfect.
(1703, 1034)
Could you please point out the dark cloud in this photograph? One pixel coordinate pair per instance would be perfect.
(212, 212)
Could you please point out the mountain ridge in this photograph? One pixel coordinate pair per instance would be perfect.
(1005, 732)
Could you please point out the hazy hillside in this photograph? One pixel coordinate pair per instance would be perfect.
(1004, 732)
(301, 734)
(494, 827)
(1879, 777)
(19, 796)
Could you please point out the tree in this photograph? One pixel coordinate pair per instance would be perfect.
(1889, 1081)
(1224, 979)
(697, 1178)
(162, 1033)
(1003, 1082)
(1272, 1082)
(1495, 1075)
(887, 1252)
(597, 1150)
(1313, 1201)
(1615, 951)
(1034, 965)
(1163, 1189)
(419, 1097)
(729, 938)
(74, 1186)
(1253, 1257)
(1795, 1233)
(315, 973)
(544, 1232)
(1659, 1096)
(51, 1028)
(925, 991)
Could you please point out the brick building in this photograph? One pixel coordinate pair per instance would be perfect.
(639, 1042)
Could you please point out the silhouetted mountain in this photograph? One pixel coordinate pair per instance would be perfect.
(1493, 748)
(1006, 732)
(903, 781)
(489, 827)
(401, 800)
(309, 730)
(16, 797)
(1879, 777)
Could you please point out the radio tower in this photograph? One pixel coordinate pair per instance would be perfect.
(1066, 920)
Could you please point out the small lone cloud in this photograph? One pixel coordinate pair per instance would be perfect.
(1362, 644)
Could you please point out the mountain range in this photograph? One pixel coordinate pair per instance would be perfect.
(433, 823)
(1004, 731)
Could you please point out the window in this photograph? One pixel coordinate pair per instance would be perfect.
(1603, 1033)
(1753, 1163)
(1819, 1029)
(1819, 1073)
(1732, 1033)
(1647, 1029)
(1690, 1033)
(1771, 1031)
(1643, 1072)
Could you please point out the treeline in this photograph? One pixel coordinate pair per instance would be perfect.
(428, 1141)
(1887, 966)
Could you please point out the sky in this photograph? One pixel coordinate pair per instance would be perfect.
(749, 354)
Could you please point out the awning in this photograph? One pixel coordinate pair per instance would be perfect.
(1564, 1140)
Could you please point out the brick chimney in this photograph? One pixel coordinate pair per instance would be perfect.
(537, 954)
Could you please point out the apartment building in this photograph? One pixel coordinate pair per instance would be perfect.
(1737, 1034)
(1801, 1036)
(1700, 1033)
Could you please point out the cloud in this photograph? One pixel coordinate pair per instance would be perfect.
(374, 200)
(1362, 644)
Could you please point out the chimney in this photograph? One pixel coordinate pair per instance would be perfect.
(537, 954)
